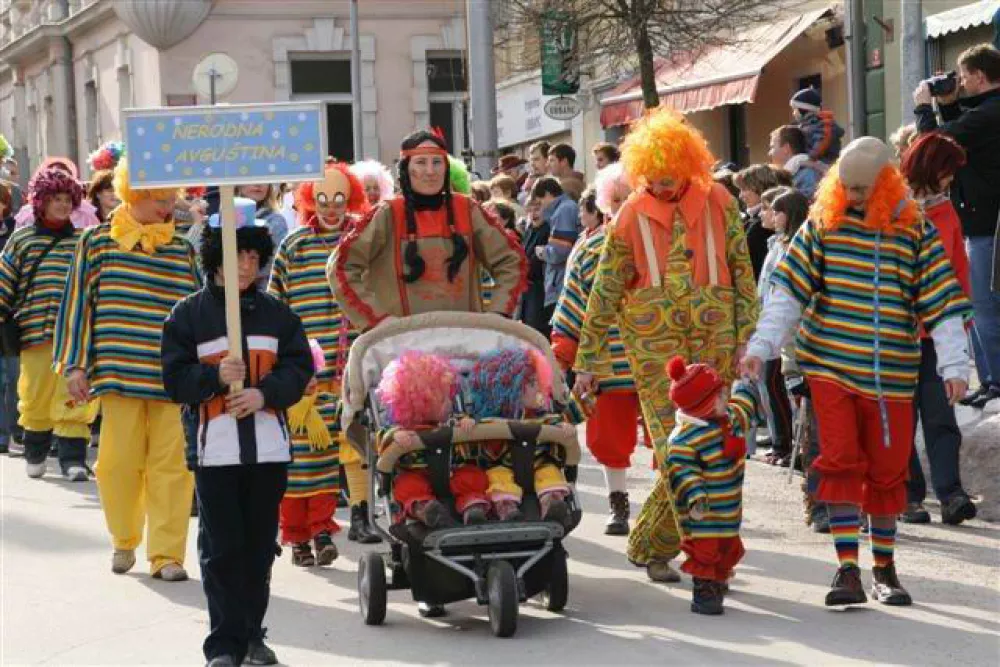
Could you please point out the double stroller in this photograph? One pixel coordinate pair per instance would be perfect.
(500, 564)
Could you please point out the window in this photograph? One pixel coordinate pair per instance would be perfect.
(90, 109)
(328, 80)
(321, 76)
(447, 88)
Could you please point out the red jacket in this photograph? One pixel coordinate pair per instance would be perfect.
(949, 228)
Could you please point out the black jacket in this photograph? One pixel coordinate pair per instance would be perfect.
(533, 299)
(974, 122)
(279, 364)
(757, 237)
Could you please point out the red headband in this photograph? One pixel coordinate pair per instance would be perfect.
(423, 150)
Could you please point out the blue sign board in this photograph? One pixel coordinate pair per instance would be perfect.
(225, 145)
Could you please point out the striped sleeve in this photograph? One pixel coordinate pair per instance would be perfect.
(277, 285)
(572, 305)
(74, 324)
(615, 270)
(742, 409)
(800, 271)
(10, 276)
(682, 462)
(939, 296)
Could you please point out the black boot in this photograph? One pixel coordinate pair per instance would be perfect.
(846, 587)
(73, 458)
(617, 523)
(887, 589)
(957, 508)
(36, 449)
(360, 530)
(707, 597)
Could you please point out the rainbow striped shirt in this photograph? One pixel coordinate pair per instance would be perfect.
(298, 278)
(38, 310)
(699, 469)
(571, 311)
(866, 340)
(114, 306)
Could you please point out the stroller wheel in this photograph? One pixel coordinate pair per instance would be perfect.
(556, 592)
(372, 589)
(501, 586)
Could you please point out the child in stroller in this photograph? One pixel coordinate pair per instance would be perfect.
(497, 563)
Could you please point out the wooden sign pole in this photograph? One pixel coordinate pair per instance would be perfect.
(230, 274)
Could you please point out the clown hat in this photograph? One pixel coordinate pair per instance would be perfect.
(693, 387)
(246, 215)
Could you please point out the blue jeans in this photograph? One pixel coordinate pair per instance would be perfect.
(986, 307)
(10, 370)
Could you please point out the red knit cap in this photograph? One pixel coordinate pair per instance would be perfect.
(693, 388)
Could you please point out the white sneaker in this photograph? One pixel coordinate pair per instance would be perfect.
(37, 470)
(76, 474)
(171, 572)
(122, 560)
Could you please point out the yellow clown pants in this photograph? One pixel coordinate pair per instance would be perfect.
(355, 474)
(548, 477)
(142, 475)
(44, 400)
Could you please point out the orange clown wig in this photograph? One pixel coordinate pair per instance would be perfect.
(338, 185)
(662, 145)
(865, 162)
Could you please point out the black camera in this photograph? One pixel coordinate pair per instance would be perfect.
(943, 84)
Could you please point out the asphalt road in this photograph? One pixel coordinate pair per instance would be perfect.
(62, 605)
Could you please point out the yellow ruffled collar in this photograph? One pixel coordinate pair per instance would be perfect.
(129, 232)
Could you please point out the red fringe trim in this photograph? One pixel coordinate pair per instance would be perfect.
(350, 296)
(514, 244)
(564, 348)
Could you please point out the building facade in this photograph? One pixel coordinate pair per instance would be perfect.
(69, 67)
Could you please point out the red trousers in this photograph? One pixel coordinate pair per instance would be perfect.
(611, 430)
(468, 484)
(712, 557)
(854, 465)
(302, 519)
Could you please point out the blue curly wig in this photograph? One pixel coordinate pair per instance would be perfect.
(497, 382)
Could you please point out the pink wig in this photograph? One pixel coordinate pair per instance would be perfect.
(378, 171)
(611, 181)
(47, 184)
(319, 358)
(417, 389)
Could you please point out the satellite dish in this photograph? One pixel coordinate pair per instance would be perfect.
(221, 69)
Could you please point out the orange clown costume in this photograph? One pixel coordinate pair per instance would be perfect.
(124, 279)
(327, 209)
(675, 274)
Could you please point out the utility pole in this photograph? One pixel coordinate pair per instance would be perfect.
(913, 55)
(356, 83)
(482, 84)
(854, 22)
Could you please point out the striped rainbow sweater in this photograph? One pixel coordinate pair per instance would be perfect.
(39, 309)
(571, 311)
(113, 308)
(298, 278)
(698, 469)
(863, 340)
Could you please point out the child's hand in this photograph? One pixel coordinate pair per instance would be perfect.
(699, 509)
(231, 370)
(406, 438)
(465, 425)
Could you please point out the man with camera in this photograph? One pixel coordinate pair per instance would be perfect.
(969, 105)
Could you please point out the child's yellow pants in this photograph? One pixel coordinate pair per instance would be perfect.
(548, 477)
(141, 473)
(44, 400)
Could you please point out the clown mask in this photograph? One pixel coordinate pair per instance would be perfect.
(332, 194)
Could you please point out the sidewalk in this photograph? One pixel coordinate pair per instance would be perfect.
(61, 604)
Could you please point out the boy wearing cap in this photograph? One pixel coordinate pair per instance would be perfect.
(241, 450)
(124, 278)
(823, 134)
(860, 275)
(707, 455)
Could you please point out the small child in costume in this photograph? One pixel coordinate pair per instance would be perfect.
(512, 383)
(707, 454)
(418, 391)
(823, 134)
(310, 501)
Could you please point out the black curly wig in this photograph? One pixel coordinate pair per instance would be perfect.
(247, 238)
